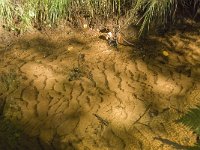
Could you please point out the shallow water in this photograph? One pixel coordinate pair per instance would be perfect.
(68, 89)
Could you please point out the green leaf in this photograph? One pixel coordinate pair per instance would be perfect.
(192, 119)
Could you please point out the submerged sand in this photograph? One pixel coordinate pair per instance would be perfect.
(67, 89)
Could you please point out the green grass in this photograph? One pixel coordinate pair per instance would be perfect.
(6, 11)
(25, 13)
(149, 13)
(153, 13)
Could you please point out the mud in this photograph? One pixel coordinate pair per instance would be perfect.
(68, 89)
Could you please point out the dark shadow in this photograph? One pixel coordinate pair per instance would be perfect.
(172, 144)
(76, 41)
(12, 137)
(2, 105)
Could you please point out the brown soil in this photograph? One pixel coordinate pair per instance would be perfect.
(67, 89)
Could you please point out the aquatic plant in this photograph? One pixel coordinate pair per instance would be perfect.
(192, 120)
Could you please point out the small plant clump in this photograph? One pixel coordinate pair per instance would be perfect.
(156, 13)
(192, 120)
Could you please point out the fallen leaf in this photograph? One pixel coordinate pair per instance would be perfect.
(85, 26)
(165, 53)
(70, 48)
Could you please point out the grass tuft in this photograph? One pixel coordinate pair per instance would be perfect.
(21, 14)
(24, 13)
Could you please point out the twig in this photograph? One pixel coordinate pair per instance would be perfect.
(105, 122)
